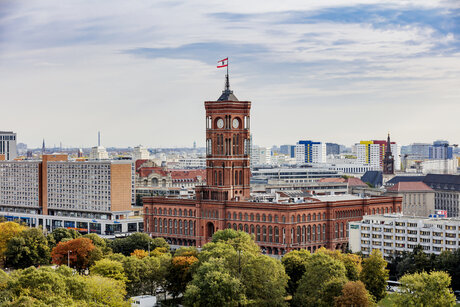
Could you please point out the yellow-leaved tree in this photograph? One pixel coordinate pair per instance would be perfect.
(8, 230)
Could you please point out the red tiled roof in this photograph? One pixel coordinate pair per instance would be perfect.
(355, 182)
(331, 180)
(188, 174)
(410, 186)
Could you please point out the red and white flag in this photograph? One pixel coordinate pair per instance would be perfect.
(222, 63)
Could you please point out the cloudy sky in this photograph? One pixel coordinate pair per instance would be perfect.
(139, 71)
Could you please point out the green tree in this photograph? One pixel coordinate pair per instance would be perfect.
(48, 287)
(425, 289)
(450, 262)
(28, 248)
(135, 241)
(351, 262)
(8, 230)
(213, 285)
(109, 268)
(354, 293)
(145, 275)
(262, 279)
(61, 234)
(322, 282)
(374, 275)
(99, 242)
(294, 265)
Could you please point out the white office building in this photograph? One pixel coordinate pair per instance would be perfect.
(394, 234)
(310, 152)
(8, 149)
(98, 153)
(140, 153)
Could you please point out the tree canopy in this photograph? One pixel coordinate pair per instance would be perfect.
(80, 253)
(374, 274)
(28, 248)
(425, 289)
(137, 240)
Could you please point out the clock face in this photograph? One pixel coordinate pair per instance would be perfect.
(220, 123)
(236, 123)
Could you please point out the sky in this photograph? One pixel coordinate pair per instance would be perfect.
(140, 71)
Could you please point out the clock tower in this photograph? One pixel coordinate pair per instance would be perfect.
(228, 148)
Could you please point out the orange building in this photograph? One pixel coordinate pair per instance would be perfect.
(225, 201)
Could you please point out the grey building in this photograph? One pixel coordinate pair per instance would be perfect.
(8, 145)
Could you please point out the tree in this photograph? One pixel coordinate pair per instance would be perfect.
(351, 262)
(294, 265)
(48, 287)
(135, 241)
(354, 293)
(180, 273)
(99, 242)
(110, 269)
(61, 234)
(322, 282)
(213, 285)
(8, 230)
(80, 253)
(425, 289)
(374, 275)
(236, 260)
(139, 253)
(28, 248)
(450, 262)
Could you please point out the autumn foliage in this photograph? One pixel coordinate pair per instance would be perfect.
(81, 251)
(139, 253)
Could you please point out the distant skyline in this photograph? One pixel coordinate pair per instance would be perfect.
(333, 71)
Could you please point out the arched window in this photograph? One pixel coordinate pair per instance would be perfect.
(284, 219)
(241, 177)
(160, 225)
(170, 212)
(246, 228)
(229, 216)
(298, 218)
(292, 219)
(269, 217)
(342, 228)
(190, 228)
(277, 235)
(234, 216)
(245, 216)
(252, 217)
(324, 232)
(180, 212)
(240, 227)
(235, 227)
(314, 232)
(229, 225)
(303, 233)
(264, 218)
(336, 230)
(270, 234)
(276, 218)
(240, 216)
(257, 217)
(318, 236)
(303, 217)
(258, 233)
(159, 211)
(175, 212)
(314, 216)
(324, 215)
(309, 217)
(264, 233)
(298, 239)
(252, 229)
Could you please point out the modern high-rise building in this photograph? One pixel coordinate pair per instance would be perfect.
(332, 149)
(288, 150)
(440, 150)
(310, 152)
(8, 150)
(89, 196)
(373, 153)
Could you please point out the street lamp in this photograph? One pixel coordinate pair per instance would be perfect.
(149, 248)
(68, 258)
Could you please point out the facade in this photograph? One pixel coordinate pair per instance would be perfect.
(288, 150)
(278, 226)
(8, 148)
(440, 150)
(447, 192)
(55, 192)
(98, 153)
(394, 234)
(373, 153)
(332, 149)
(293, 175)
(310, 152)
(198, 163)
(417, 198)
(140, 153)
(261, 155)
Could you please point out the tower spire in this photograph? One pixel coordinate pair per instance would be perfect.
(227, 94)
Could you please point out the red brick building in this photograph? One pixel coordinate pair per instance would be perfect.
(225, 201)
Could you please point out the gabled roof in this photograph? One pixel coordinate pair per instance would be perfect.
(373, 177)
(410, 187)
(398, 179)
(355, 182)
